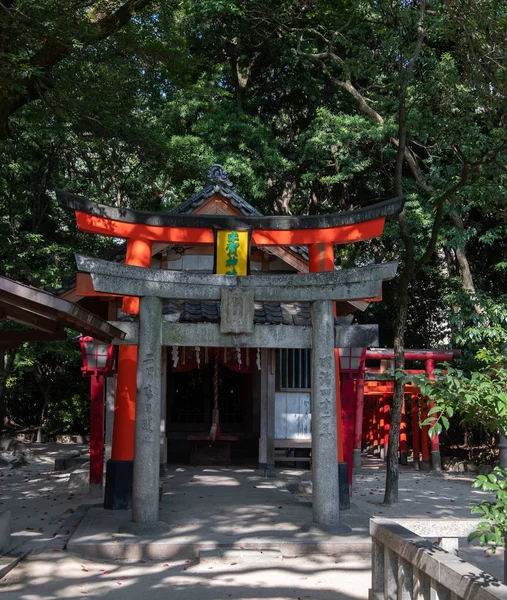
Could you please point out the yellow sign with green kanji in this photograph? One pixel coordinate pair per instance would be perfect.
(232, 252)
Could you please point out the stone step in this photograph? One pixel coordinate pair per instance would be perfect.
(232, 553)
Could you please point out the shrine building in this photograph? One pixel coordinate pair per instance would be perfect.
(233, 353)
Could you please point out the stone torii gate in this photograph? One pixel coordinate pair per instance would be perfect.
(143, 231)
(237, 296)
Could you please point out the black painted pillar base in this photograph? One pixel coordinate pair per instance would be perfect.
(119, 477)
(343, 485)
(436, 461)
(403, 458)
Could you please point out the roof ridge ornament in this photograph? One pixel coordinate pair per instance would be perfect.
(217, 176)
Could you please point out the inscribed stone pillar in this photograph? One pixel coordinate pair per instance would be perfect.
(265, 437)
(163, 411)
(326, 510)
(145, 492)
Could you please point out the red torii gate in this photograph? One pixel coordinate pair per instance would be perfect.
(378, 415)
(141, 229)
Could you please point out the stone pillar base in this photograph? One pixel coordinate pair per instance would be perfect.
(118, 491)
(416, 465)
(318, 529)
(356, 459)
(145, 529)
(436, 461)
(96, 490)
(424, 465)
(269, 471)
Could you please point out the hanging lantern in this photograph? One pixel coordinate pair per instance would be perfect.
(97, 357)
(351, 359)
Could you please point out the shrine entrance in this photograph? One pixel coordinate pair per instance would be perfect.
(220, 383)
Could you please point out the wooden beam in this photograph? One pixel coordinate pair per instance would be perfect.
(32, 301)
(28, 317)
(84, 287)
(338, 228)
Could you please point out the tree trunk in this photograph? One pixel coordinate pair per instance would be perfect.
(6, 362)
(283, 203)
(392, 475)
(408, 271)
(44, 390)
(467, 280)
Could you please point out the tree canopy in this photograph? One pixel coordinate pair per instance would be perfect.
(312, 106)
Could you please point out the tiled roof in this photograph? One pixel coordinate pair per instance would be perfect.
(266, 313)
(217, 182)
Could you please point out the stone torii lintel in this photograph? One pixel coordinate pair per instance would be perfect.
(347, 284)
(263, 336)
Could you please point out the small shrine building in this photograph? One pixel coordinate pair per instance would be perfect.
(234, 346)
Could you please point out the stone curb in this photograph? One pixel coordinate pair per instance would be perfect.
(15, 554)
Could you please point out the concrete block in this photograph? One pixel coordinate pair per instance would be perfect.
(79, 480)
(69, 462)
(439, 528)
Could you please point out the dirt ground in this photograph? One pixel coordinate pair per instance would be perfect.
(40, 503)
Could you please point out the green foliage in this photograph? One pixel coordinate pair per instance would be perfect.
(133, 118)
(43, 388)
(493, 530)
(479, 397)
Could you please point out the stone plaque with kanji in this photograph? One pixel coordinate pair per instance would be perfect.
(237, 310)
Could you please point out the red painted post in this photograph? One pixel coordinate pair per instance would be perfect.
(367, 423)
(436, 463)
(125, 405)
(348, 400)
(358, 425)
(139, 255)
(374, 424)
(387, 424)
(416, 445)
(403, 434)
(96, 435)
(381, 422)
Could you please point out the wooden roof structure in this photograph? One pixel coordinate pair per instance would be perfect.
(47, 315)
